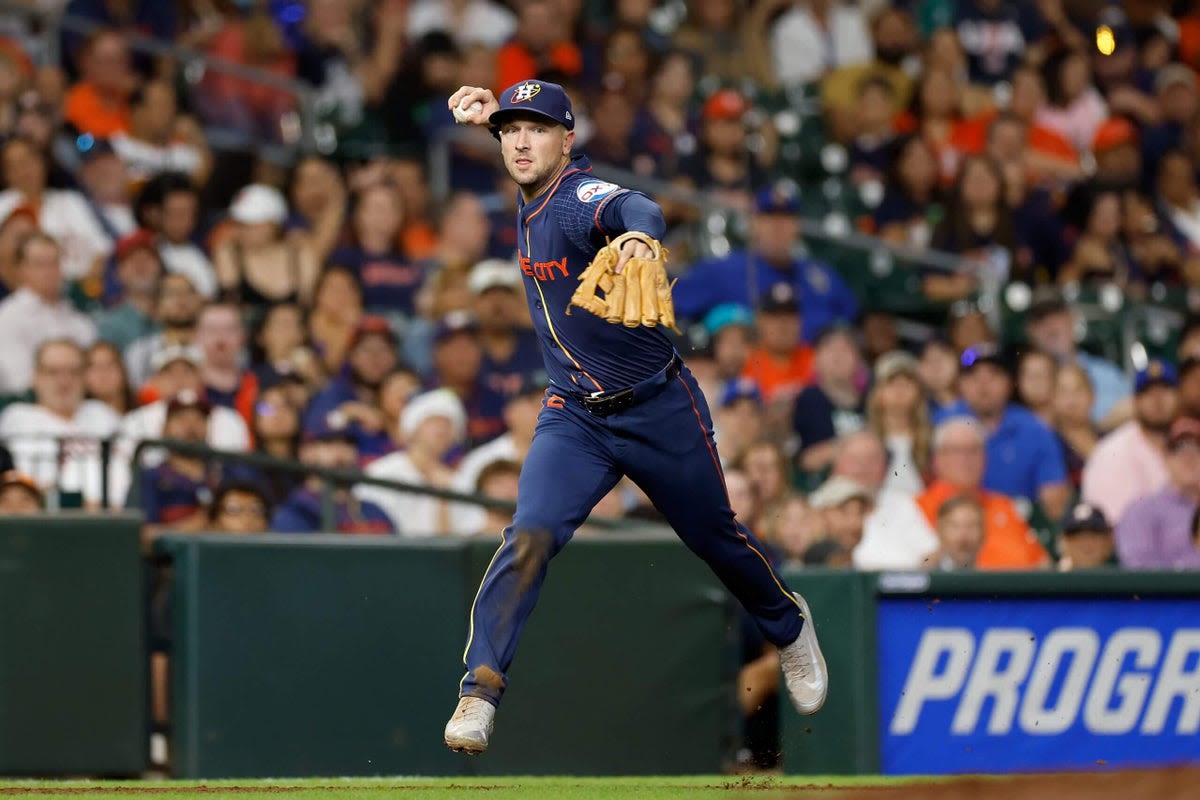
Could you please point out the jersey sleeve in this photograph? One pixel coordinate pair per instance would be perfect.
(593, 210)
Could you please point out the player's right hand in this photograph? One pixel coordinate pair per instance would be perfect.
(468, 95)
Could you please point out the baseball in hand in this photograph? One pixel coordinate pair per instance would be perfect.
(464, 112)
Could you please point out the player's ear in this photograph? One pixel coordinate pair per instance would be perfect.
(568, 143)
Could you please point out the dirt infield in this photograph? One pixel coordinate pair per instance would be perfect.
(1165, 784)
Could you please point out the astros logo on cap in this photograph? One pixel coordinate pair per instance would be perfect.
(524, 92)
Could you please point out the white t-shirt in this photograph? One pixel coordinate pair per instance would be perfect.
(413, 515)
(803, 52)
(143, 160)
(66, 215)
(482, 21)
(903, 474)
(34, 436)
(25, 322)
(467, 519)
(190, 261)
(896, 535)
(226, 431)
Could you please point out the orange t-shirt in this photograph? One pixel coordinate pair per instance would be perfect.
(1008, 543)
(776, 377)
(514, 62)
(90, 113)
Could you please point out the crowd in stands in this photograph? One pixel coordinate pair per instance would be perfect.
(355, 308)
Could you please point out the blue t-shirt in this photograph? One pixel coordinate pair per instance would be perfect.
(390, 281)
(824, 297)
(301, 513)
(341, 390)
(1023, 454)
(816, 419)
(506, 377)
(167, 495)
(995, 41)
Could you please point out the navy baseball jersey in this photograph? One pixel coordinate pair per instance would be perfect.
(558, 234)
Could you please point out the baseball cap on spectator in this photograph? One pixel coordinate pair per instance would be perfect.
(436, 403)
(897, 362)
(258, 203)
(186, 400)
(1156, 373)
(177, 352)
(91, 148)
(371, 325)
(1085, 517)
(737, 389)
(533, 98)
(727, 104)
(493, 273)
(1114, 132)
(1046, 301)
(780, 298)
(333, 427)
(983, 353)
(781, 198)
(1173, 75)
(838, 490)
(454, 323)
(1184, 429)
(721, 317)
(140, 239)
(14, 477)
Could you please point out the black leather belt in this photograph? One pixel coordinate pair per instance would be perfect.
(605, 404)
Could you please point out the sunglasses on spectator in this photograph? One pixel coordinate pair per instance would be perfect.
(247, 509)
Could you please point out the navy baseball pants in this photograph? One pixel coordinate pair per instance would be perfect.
(664, 443)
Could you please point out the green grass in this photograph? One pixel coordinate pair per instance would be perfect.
(699, 787)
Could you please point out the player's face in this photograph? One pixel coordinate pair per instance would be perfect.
(534, 151)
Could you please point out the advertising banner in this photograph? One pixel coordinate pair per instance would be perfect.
(1002, 684)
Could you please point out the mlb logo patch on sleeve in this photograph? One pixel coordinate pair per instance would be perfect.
(594, 190)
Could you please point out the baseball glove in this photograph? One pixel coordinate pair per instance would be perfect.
(637, 296)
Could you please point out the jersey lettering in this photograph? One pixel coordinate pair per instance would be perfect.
(544, 270)
(594, 190)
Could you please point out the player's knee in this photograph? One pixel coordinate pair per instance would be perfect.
(531, 549)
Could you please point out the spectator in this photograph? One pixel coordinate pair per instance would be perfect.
(169, 205)
(895, 41)
(1117, 152)
(808, 40)
(936, 115)
(257, 265)
(1189, 386)
(521, 412)
(475, 21)
(105, 379)
(146, 17)
(498, 480)
(19, 494)
(896, 534)
(19, 224)
(739, 421)
(463, 233)
(390, 279)
(1024, 458)
(1130, 462)
(938, 370)
(833, 405)
(222, 339)
(175, 494)
(177, 369)
(457, 361)
(1076, 109)
(432, 424)
(337, 312)
(781, 365)
(1037, 375)
(1155, 531)
(399, 387)
(1153, 253)
(105, 186)
(960, 532)
(912, 204)
(318, 196)
(969, 327)
(730, 329)
(1189, 340)
(827, 553)
(510, 351)
(1178, 101)
(724, 163)
(898, 413)
(36, 312)
(1099, 256)
(873, 144)
(99, 103)
(176, 310)
(821, 294)
(541, 42)
(996, 36)
(281, 348)
(958, 468)
(56, 438)
(1072, 398)
(978, 225)
(354, 392)
(1045, 154)
(1086, 541)
(742, 497)
(328, 444)
(843, 505)
(139, 270)
(790, 527)
(1179, 197)
(664, 127)
(158, 140)
(239, 507)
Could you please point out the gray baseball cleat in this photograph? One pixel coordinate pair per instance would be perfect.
(803, 665)
(470, 726)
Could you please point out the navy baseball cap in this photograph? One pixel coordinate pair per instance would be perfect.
(1085, 517)
(1156, 373)
(333, 427)
(983, 353)
(782, 198)
(740, 389)
(534, 98)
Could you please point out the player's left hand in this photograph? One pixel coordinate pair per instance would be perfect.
(630, 272)
(632, 248)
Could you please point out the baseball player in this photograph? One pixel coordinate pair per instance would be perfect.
(620, 402)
